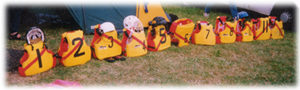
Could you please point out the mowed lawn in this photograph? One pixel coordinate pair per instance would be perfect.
(269, 62)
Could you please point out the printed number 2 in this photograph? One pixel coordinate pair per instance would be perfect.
(77, 54)
(207, 33)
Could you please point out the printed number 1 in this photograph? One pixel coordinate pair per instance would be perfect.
(265, 26)
(39, 58)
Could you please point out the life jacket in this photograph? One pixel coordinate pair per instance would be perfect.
(276, 27)
(157, 36)
(134, 43)
(181, 31)
(261, 28)
(106, 44)
(244, 31)
(203, 34)
(73, 50)
(225, 31)
(36, 59)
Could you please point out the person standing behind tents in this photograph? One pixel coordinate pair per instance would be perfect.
(14, 23)
(233, 10)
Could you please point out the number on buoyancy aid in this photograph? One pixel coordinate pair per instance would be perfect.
(73, 50)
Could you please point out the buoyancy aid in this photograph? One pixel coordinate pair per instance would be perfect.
(134, 41)
(181, 31)
(244, 31)
(276, 27)
(73, 49)
(225, 31)
(203, 34)
(261, 28)
(157, 36)
(105, 42)
(37, 58)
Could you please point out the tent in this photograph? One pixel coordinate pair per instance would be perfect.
(86, 16)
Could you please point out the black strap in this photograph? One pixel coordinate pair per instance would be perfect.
(220, 20)
(57, 56)
(126, 34)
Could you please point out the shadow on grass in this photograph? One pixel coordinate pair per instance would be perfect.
(12, 62)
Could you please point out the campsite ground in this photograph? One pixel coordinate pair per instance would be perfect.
(270, 62)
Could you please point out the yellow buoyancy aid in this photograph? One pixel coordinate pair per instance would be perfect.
(157, 36)
(134, 43)
(73, 49)
(106, 45)
(246, 32)
(261, 29)
(276, 27)
(203, 34)
(225, 31)
(36, 59)
(228, 35)
(181, 30)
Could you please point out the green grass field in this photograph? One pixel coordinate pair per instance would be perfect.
(270, 62)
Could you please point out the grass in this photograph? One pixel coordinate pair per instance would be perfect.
(270, 62)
